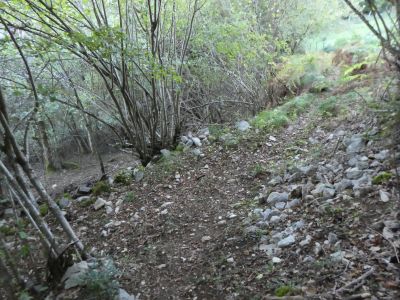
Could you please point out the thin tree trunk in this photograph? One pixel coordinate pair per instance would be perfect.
(21, 159)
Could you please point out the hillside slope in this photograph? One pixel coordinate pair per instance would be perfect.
(309, 209)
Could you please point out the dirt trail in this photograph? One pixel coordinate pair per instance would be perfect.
(186, 231)
(88, 170)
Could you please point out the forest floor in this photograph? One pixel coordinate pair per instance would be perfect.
(85, 169)
(208, 227)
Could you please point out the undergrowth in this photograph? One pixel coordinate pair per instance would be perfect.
(282, 115)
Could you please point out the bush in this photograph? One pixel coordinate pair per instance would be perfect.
(130, 197)
(100, 282)
(123, 177)
(303, 70)
(216, 131)
(329, 107)
(100, 188)
(270, 118)
(382, 178)
(297, 105)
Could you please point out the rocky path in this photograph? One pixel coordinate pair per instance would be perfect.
(309, 210)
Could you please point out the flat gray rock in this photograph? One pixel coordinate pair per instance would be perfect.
(165, 153)
(196, 152)
(138, 175)
(275, 181)
(328, 193)
(354, 173)
(123, 295)
(280, 205)
(243, 125)
(64, 203)
(294, 203)
(269, 213)
(196, 141)
(84, 190)
(344, 184)
(290, 240)
(355, 144)
(332, 238)
(275, 197)
(72, 276)
(83, 198)
(384, 196)
(307, 170)
(100, 202)
(383, 155)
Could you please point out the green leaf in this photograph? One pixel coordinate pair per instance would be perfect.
(22, 235)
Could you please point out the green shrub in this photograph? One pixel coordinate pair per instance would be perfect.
(101, 187)
(100, 282)
(270, 118)
(382, 178)
(231, 142)
(8, 230)
(129, 197)
(216, 131)
(280, 116)
(329, 107)
(123, 177)
(319, 86)
(166, 166)
(297, 105)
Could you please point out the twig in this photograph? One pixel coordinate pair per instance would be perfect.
(356, 281)
(337, 146)
(397, 176)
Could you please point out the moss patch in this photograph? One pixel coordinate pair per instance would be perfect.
(87, 202)
(283, 290)
(43, 209)
(382, 178)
